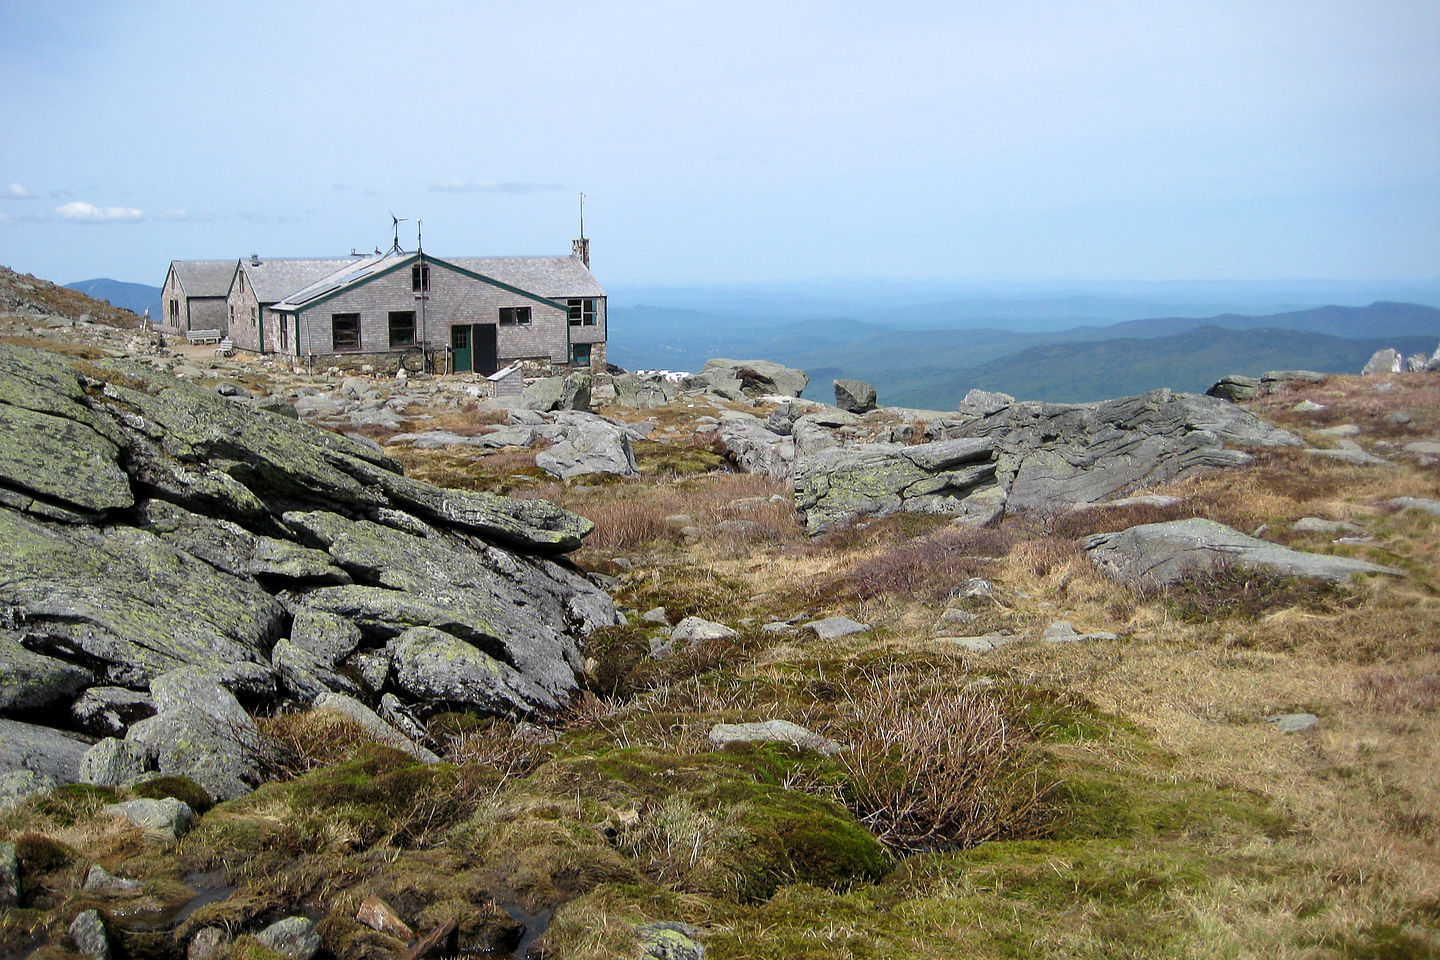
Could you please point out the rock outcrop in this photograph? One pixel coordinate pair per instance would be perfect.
(748, 379)
(163, 542)
(854, 396)
(1156, 553)
(1031, 455)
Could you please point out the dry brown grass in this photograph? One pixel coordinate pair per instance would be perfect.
(930, 567)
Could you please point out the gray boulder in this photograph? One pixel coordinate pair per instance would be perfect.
(836, 486)
(9, 875)
(772, 731)
(31, 681)
(1051, 453)
(1235, 388)
(163, 819)
(984, 402)
(558, 393)
(201, 732)
(698, 630)
(44, 751)
(1383, 361)
(87, 932)
(752, 447)
(1169, 552)
(593, 445)
(748, 379)
(114, 763)
(833, 628)
(664, 940)
(294, 937)
(1293, 722)
(1416, 503)
(109, 711)
(436, 667)
(377, 728)
(644, 393)
(1272, 380)
(854, 396)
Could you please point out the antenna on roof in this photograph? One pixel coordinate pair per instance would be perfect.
(582, 216)
(395, 226)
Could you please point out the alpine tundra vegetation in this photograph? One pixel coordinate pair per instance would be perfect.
(307, 662)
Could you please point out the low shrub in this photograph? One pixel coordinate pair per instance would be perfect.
(180, 788)
(930, 767)
(1388, 690)
(1231, 591)
(929, 568)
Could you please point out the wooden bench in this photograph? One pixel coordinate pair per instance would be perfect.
(203, 336)
(226, 348)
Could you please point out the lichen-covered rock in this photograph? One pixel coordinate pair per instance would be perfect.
(772, 731)
(1169, 552)
(109, 711)
(438, 667)
(373, 725)
(644, 393)
(752, 447)
(201, 732)
(31, 681)
(1383, 361)
(114, 763)
(87, 932)
(293, 937)
(163, 819)
(1235, 387)
(835, 486)
(558, 393)
(593, 445)
(663, 940)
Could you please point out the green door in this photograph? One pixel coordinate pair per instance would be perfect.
(460, 345)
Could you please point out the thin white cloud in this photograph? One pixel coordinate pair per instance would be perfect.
(17, 192)
(81, 212)
(460, 185)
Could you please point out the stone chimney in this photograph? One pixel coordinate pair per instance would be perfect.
(580, 247)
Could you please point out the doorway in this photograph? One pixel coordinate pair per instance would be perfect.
(473, 347)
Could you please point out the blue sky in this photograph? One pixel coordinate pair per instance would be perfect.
(731, 142)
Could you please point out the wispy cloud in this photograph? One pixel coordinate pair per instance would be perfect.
(81, 212)
(17, 192)
(460, 185)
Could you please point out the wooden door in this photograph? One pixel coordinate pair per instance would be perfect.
(486, 355)
(460, 346)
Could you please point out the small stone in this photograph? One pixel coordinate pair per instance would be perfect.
(772, 731)
(670, 941)
(114, 763)
(656, 615)
(1307, 406)
(163, 819)
(973, 589)
(832, 628)
(88, 932)
(953, 616)
(1293, 722)
(9, 875)
(207, 943)
(1319, 525)
(378, 915)
(698, 629)
(981, 644)
(99, 880)
(1060, 632)
(293, 937)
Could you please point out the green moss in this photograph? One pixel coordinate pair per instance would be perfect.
(180, 788)
(653, 458)
(69, 804)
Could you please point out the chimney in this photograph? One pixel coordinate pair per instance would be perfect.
(254, 259)
(580, 247)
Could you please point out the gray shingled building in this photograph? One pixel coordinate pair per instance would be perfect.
(454, 314)
(193, 295)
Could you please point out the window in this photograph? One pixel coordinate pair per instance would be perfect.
(515, 316)
(345, 331)
(402, 328)
(582, 312)
(175, 310)
(420, 278)
(283, 323)
(581, 352)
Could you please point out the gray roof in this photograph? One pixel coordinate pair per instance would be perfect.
(274, 280)
(353, 271)
(550, 277)
(204, 278)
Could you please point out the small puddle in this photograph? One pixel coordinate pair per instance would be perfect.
(209, 887)
(534, 925)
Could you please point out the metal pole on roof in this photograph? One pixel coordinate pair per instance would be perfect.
(424, 291)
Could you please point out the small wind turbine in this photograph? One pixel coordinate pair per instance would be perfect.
(395, 227)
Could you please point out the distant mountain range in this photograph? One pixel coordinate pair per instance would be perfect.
(135, 297)
(923, 346)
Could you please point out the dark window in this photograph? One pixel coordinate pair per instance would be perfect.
(345, 331)
(175, 309)
(582, 312)
(402, 328)
(512, 316)
(420, 278)
(581, 352)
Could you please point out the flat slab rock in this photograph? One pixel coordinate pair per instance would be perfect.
(772, 731)
(1169, 552)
